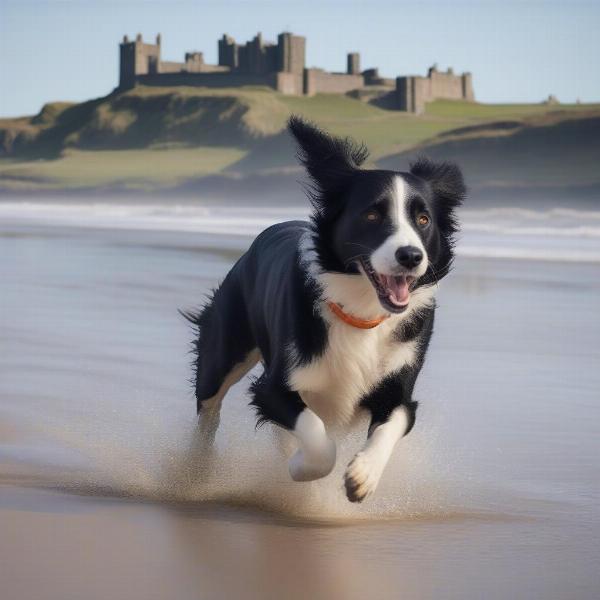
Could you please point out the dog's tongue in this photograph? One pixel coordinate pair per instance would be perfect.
(397, 289)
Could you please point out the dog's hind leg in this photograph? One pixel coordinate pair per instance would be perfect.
(198, 461)
(210, 408)
(315, 456)
(225, 351)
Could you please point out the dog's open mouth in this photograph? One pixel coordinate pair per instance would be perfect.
(393, 291)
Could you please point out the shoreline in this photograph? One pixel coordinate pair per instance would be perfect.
(559, 234)
(271, 187)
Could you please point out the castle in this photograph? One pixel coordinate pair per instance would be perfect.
(281, 66)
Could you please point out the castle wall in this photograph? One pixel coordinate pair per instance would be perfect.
(170, 67)
(270, 59)
(257, 57)
(289, 83)
(194, 62)
(445, 85)
(211, 80)
(286, 83)
(145, 55)
(413, 92)
(209, 69)
(318, 81)
(421, 92)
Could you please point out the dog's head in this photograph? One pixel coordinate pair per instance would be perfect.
(395, 228)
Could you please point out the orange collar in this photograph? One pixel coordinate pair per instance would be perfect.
(338, 311)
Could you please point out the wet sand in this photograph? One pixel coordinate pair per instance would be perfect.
(103, 492)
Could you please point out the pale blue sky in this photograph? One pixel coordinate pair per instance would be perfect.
(517, 50)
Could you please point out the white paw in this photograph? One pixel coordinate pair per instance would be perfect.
(308, 466)
(361, 478)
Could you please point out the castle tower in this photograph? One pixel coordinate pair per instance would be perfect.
(291, 51)
(137, 58)
(412, 93)
(255, 50)
(127, 56)
(228, 52)
(353, 63)
(467, 87)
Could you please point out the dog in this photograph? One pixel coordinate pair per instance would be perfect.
(338, 309)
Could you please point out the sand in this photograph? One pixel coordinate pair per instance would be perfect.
(495, 494)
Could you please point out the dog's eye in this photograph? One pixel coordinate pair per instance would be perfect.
(373, 216)
(423, 220)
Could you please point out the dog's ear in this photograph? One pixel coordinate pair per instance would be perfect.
(447, 184)
(329, 160)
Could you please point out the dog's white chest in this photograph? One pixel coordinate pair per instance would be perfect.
(354, 361)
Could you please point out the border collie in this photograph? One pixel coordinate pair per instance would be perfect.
(339, 310)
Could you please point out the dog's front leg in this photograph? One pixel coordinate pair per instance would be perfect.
(365, 469)
(392, 417)
(315, 456)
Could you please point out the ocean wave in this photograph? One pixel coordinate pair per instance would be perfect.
(557, 234)
(533, 214)
(526, 253)
(557, 231)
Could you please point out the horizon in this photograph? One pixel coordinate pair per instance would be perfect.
(518, 52)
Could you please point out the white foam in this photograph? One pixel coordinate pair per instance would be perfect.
(557, 234)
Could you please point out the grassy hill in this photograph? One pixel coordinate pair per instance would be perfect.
(163, 138)
(554, 155)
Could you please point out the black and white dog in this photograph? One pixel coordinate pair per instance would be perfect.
(339, 309)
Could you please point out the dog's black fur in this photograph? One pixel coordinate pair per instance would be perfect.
(273, 297)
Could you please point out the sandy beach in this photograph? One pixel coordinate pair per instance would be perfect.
(103, 493)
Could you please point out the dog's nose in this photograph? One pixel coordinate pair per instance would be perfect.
(409, 256)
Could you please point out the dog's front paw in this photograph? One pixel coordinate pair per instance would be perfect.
(361, 478)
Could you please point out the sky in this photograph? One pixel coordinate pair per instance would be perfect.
(518, 51)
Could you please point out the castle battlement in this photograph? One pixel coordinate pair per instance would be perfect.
(414, 91)
(281, 66)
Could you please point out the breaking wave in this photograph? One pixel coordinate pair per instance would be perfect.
(557, 234)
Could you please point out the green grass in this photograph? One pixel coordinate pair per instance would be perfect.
(131, 168)
(259, 109)
(386, 131)
(160, 136)
(468, 111)
(383, 131)
(330, 107)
